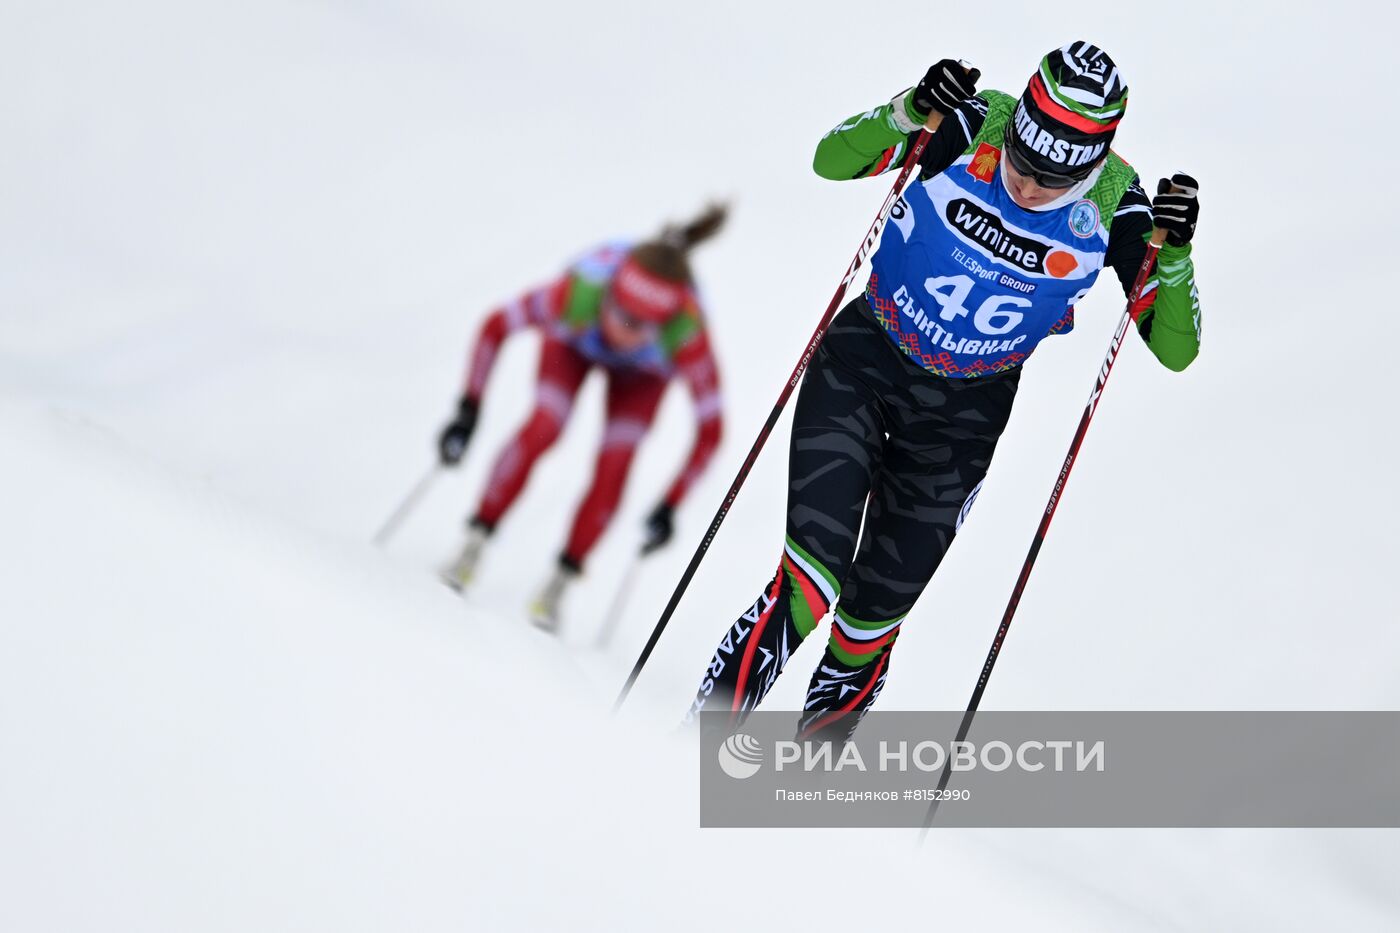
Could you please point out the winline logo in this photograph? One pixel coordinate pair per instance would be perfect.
(1024, 252)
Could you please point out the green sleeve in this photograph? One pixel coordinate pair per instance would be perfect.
(583, 302)
(1172, 324)
(867, 144)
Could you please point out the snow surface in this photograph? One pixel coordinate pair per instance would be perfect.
(244, 249)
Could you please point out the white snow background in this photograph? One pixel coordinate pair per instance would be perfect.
(243, 248)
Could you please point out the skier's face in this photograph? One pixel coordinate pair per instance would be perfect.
(1024, 190)
(622, 331)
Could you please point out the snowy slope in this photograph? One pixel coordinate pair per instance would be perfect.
(244, 250)
(210, 720)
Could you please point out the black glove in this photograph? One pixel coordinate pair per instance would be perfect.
(660, 526)
(452, 443)
(946, 85)
(1175, 208)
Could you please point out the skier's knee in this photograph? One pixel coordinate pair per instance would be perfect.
(857, 643)
(623, 435)
(811, 588)
(541, 431)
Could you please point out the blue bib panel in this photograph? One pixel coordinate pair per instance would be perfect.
(966, 283)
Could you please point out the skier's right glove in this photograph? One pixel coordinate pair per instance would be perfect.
(452, 443)
(946, 85)
(660, 526)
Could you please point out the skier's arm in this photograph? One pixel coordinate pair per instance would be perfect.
(1168, 313)
(876, 141)
(696, 364)
(534, 308)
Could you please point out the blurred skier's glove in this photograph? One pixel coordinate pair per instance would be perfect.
(946, 85)
(1175, 208)
(659, 528)
(452, 443)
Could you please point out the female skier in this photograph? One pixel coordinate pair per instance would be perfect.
(632, 311)
(1018, 205)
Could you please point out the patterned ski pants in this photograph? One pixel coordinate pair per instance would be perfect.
(877, 441)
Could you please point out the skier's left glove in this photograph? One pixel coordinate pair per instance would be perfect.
(659, 527)
(1175, 208)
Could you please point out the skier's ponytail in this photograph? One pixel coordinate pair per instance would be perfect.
(698, 230)
(666, 255)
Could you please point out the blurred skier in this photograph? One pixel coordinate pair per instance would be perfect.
(1018, 206)
(632, 311)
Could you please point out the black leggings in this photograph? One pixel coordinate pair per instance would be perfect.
(876, 438)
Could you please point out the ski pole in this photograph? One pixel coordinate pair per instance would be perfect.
(1144, 272)
(867, 246)
(619, 601)
(381, 537)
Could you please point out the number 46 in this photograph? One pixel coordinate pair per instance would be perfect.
(991, 317)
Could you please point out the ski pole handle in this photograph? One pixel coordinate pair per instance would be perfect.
(1159, 235)
(935, 118)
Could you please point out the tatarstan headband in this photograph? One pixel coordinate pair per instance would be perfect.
(1063, 115)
